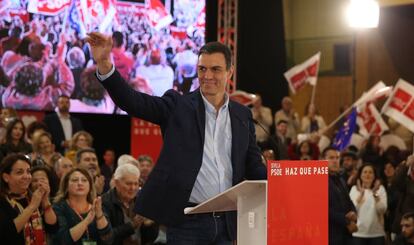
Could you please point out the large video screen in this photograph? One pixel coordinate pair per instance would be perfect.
(43, 53)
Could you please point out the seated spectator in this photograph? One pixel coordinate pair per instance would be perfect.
(109, 166)
(145, 166)
(35, 128)
(15, 141)
(392, 196)
(304, 151)
(119, 203)
(80, 140)
(24, 218)
(263, 115)
(349, 171)
(404, 183)
(43, 149)
(370, 200)
(288, 114)
(79, 211)
(407, 230)
(86, 158)
(7, 115)
(312, 121)
(62, 166)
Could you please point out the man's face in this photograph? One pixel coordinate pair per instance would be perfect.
(89, 161)
(282, 128)
(333, 160)
(286, 104)
(407, 228)
(212, 74)
(64, 166)
(109, 157)
(63, 104)
(348, 163)
(127, 187)
(145, 167)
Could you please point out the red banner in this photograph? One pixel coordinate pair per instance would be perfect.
(145, 138)
(297, 208)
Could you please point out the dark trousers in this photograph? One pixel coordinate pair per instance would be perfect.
(368, 241)
(200, 229)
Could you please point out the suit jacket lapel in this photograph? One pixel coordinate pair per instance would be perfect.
(236, 125)
(198, 104)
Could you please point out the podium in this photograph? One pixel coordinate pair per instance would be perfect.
(249, 199)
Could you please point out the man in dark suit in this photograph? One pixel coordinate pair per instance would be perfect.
(342, 212)
(209, 145)
(62, 125)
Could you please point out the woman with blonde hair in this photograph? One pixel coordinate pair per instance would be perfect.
(79, 211)
(80, 140)
(43, 149)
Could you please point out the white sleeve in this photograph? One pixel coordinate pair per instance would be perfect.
(105, 76)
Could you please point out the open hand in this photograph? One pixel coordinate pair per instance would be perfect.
(101, 46)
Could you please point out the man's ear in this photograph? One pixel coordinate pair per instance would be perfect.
(230, 72)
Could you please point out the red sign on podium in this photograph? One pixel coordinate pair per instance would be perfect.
(297, 209)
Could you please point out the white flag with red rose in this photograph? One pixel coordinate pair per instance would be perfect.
(307, 72)
(377, 92)
(157, 15)
(370, 121)
(400, 105)
(47, 7)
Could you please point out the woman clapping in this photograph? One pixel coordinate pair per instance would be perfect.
(80, 212)
(25, 217)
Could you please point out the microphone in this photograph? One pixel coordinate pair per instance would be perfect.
(269, 136)
(274, 143)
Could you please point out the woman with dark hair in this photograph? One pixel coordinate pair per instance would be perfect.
(80, 212)
(25, 216)
(15, 141)
(370, 200)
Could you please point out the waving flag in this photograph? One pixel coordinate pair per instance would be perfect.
(158, 15)
(343, 137)
(370, 121)
(378, 91)
(243, 97)
(307, 72)
(47, 7)
(400, 105)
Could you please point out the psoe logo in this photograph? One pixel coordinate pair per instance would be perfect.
(275, 169)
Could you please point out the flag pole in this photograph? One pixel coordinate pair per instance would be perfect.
(313, 94)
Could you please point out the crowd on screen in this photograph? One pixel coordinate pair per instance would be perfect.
(52, 54)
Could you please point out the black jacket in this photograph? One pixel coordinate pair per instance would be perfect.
(56, 130)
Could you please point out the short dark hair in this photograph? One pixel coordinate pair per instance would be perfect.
(409, 215)
(281, 121)
(217, 47)
(35, 125)
(118, 38)
(81, 151)
(329, 148)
